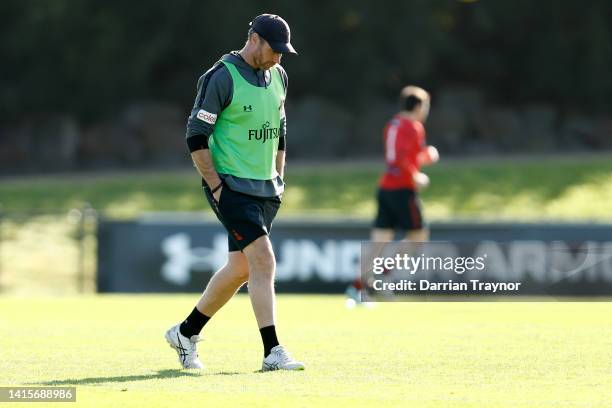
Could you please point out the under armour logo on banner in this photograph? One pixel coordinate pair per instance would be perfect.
(248, 108)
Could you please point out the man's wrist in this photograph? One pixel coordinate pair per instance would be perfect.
(214, 190)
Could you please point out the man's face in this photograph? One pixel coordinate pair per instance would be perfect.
(423, 110)
(265, 57)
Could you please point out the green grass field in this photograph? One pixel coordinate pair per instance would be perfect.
(112, 349)
(556, 188)
(397, 354)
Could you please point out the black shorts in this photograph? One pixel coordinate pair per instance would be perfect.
(245, 217)
(399, 210)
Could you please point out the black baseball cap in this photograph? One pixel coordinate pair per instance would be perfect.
(275, 31)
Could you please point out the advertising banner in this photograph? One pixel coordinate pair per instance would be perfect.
(179, 253)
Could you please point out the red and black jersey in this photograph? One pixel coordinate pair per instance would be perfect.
(404, 141)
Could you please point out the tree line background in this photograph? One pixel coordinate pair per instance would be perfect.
(89, 68)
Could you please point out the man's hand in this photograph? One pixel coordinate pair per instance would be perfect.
(433, 154)
(429, 155)
(204, 164)
(217, 194)
(421, 180)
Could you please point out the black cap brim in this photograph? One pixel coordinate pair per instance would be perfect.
(283, 48)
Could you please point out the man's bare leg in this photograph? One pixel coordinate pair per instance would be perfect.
(420, 235)
(354, 291)
(381, 235)
(224, 284)
(221, 287)
(262, 266)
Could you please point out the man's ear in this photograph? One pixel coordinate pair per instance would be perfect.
(254, 38)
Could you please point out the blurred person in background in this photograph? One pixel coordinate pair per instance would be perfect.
(399, 206)
(236, 136)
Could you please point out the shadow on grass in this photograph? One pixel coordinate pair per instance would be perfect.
(174, 373)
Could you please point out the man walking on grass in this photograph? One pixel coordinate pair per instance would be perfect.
(236, 136)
